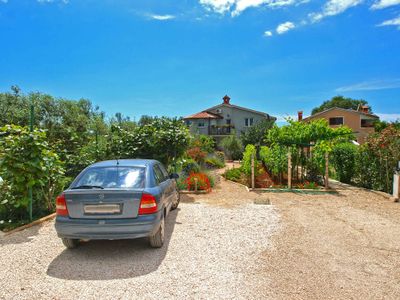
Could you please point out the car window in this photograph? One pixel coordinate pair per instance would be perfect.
(164, 172)
(158, 174)
(113, 177)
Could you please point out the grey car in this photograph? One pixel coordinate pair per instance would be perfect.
(117, 199)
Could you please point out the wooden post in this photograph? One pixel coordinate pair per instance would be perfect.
(252, 171)
(289, 178)
(326, 170)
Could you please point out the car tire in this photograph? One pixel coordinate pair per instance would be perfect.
(70, 243)
(176, 202)
(157, 240)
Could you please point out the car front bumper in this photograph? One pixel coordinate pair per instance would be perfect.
(108, 229)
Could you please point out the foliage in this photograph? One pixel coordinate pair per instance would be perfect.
(205, 142)
(26, 160)
(304, 134)
(256, 134)
(162, 139)
(220, 155)
(275, 158)
(190, 166)
(341, 102)
(343, 158)
(381, 125)
(249, 152)
(203, 182)
(214, 162)
(234, 174)
(377, 159)
(232, 147)
(181, 184)
(196, 154)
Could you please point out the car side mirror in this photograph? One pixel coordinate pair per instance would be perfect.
(174, 176)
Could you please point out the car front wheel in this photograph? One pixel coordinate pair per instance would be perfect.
(177, 199)
(157, 240)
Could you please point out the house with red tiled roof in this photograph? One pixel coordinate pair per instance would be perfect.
(361, 121)
(225, 119)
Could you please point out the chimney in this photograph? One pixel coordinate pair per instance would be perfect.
(300, 115)
(226, 99)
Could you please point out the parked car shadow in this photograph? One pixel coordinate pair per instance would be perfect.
(104, 260)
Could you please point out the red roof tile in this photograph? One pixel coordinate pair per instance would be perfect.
(204, 115)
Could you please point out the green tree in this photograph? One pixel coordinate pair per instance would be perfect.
(344, 160)
(256, 134)
(232, 146)
(341, 102)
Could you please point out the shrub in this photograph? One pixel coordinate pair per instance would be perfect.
(26, 160)
(205, 142)
(249, 152)
(203, 183)
(232, 147)
(234, 174)
(181, 184)
(196, 154)
(220, 155)
(214, 162)
(344, 159)
(275, 158)
(190, 166)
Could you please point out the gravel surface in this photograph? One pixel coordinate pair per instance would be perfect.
(212, 252)
(223, 246)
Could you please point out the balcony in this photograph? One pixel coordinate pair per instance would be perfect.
(221, 129)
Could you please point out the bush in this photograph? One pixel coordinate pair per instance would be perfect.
(249, 152)
(196, 154)
(275, 158)
(205, 142)
(181, 184)
(234, 174)
(203, 183)
(232, 147)
(26, 160)
(214, 162)
(343, 158)
(220, 155)
(190, 166)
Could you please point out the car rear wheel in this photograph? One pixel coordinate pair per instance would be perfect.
(157, 240)
(70, 243)
(177, 199)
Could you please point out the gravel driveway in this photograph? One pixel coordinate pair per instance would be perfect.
(212, 251)
(223, 246)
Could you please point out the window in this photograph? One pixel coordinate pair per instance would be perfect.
(367, 122)
(336, 121)
(200, 124)
(158, 174)
(248, 122)
(113, 177)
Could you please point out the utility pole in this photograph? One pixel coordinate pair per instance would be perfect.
(30, 192)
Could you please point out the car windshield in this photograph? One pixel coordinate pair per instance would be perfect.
(112, 177)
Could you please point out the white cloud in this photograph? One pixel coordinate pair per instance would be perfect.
(332, 8)
(162, 17)
(384, 3)
(372, 85)
(236, 7)
(388, 117)
(284, 27)
(392, 22)
(268, 33)
(4, 1)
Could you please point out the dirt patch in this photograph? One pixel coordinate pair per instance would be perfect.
(343, 246)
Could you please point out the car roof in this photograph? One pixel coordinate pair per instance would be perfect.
(125, 163)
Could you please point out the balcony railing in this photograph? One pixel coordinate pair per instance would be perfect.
(221, 130)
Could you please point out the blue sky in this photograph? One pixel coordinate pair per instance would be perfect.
(164, 57)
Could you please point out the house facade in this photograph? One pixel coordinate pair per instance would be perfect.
(225, 119)
(361, 121)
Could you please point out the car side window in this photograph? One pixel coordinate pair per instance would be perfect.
(165, 173)
(158, 174)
